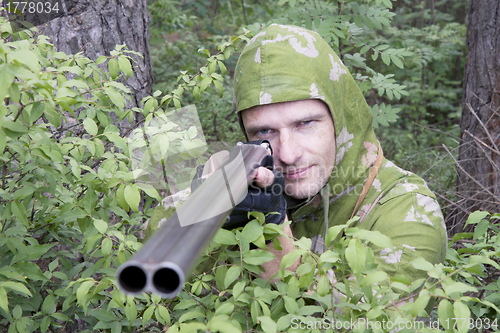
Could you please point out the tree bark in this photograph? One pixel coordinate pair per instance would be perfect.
(479, 154)
(94, 27)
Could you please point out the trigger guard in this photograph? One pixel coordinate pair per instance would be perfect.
(268, 162)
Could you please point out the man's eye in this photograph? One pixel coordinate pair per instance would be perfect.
(264, 131)
(307, 122)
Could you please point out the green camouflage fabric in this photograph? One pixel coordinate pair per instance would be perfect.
(288, 63)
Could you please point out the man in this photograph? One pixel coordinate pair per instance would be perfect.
(291, 89)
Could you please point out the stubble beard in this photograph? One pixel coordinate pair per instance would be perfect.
(308, 187)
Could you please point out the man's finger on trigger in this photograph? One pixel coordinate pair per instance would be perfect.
(264, 177)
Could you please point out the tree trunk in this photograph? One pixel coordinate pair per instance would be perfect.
(479, 153)
(94, 27)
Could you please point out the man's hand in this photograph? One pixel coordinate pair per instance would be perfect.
(265, 193)
(263, 177)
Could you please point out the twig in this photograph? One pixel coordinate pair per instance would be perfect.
(452, 203)
(479, 143)
(484, 128)
(467, 174)
(244, 13)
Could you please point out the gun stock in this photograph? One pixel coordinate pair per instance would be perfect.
(168, 257)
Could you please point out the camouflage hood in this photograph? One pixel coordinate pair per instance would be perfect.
(287, 63)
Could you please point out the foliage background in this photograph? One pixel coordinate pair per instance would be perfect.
(70, 207)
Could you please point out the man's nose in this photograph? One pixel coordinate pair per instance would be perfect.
(288, 150)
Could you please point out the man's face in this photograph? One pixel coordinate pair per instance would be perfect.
(302, 136)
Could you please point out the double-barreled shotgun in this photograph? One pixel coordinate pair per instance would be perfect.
(168, 257)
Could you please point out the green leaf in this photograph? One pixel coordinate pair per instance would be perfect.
(7, 73)
(292, 289)
(36, 111)
(100, 225)
(3, 140)
(125, 66)
(462, 313)
(397, 61)
(222, 67)
(445, 313)
(267, 324)
(17, 312)
(19, 212)
(116, 327)
(4, 301)
(218, 324)
(147, 315)
(149, 190)
(225, 308)
(422, 264)
(481, 228)
(15, 127)
(231, 275)
(375, 237)
(258, 257)
(355, 254)
(238, 288)
(101, 60)
(131, 310)
(418, 307)
(364, 49)
(252, 230)
(106, 246)
(48, 303)
(289, 259)
(386, 58)
(372, 278)
(333, 233)
(133, 197)
(24, 191)
(30, 270)
(162, 315)
(225, 237)
(44, 324)
(291, 305)
(120, 197)
(90, 126)
(303, 243)
(204, 83)
(26, 57)
(83, 290)
(219, 87)
(53, 116)
(459, 287)
(323, 286)
(113, 68)
(476, 217)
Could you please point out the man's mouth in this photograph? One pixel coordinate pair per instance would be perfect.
(297, 173)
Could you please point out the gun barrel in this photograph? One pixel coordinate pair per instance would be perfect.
(167, 258)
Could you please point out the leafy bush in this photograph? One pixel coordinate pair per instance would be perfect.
(230, 297)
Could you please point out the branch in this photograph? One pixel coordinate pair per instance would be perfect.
(479, 144)
(484, 128)
(467, 174)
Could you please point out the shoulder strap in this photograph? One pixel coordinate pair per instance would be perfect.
(370, 179)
